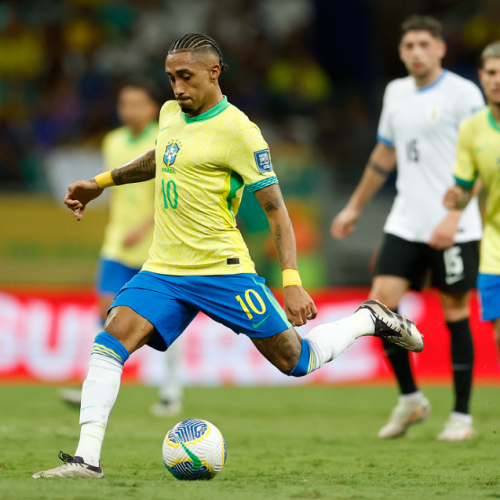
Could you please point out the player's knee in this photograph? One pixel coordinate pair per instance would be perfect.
(128, 327)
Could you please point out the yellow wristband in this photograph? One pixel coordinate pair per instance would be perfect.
(291, 277)
(104, 180)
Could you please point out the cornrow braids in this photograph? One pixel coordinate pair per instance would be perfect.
(196, 41)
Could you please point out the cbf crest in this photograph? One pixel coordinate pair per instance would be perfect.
(171, 153)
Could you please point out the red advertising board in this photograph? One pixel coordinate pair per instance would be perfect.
(47, 337)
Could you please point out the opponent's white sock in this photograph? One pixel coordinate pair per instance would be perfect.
(171, 389)
(99, 393)
(331, 339)
(413, 397)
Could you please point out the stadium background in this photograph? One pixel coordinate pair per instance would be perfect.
(311, 74)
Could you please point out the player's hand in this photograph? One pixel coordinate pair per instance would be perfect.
(453, 197)
(343, 224)
(299, 306)
(79, 194)
(444, 234)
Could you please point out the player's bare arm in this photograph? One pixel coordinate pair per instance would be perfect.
(80, 193)
(381, 163)
(457, 198)
(299, 306)
(142, 168)
(444, 234)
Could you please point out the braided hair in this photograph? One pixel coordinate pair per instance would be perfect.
(198, 41)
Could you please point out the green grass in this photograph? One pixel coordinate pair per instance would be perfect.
(283, 443)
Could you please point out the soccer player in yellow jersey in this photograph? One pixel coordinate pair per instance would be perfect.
(207, 152)
(478, 156)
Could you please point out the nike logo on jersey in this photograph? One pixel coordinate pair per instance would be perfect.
(164, 128)
(451, 280)
(256, 325)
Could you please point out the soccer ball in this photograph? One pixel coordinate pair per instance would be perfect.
(194, 449)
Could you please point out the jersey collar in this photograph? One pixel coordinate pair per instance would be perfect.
(211, 113)
(434, 83)
(492, 120)
(145, 132)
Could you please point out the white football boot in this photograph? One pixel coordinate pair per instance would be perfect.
(393, 327)
(72, 467)
(404, 415)
(457, 428)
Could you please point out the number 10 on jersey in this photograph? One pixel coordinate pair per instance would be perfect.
(170, 194)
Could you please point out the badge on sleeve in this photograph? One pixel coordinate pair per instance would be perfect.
(263, 160)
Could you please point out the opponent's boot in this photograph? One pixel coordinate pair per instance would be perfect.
(457, 428)
(166, 408)
(404, 415)
(394, 327)
(72, 467)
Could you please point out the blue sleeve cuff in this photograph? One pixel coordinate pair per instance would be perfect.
(385, 141)
(256, 186)
(465, 184)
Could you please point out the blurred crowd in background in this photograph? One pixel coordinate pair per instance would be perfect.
(310, 73)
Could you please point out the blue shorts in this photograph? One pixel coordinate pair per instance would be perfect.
(241, 302)
(489, 291)
(111, 276)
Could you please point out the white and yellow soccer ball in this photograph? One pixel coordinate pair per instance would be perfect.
(194, 449)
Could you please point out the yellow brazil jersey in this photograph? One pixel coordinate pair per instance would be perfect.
(131, 204)
(478, 154)
(202, 166)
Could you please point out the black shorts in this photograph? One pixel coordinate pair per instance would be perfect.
(452, 270)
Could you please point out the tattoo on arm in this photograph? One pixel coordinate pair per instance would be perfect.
(143, 168)
(270, 198)
(278, 244)
(377, 168)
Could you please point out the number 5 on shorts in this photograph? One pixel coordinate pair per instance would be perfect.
(248, 300)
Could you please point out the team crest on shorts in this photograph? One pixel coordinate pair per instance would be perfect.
(263, 160)
(171, 153)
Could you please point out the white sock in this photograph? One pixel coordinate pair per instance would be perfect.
(171, 389)
(99, 393)
(331, 339)
(464, 417)
(414, 397)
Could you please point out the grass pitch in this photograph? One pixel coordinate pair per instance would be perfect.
(283, 443)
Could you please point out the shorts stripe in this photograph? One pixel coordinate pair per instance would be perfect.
(274, 302)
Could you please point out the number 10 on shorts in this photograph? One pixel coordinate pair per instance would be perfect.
(248, 303)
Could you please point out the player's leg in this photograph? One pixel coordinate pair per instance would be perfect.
(297, 356)
(111, 277)
(399, 264)
(124, 332)
(245, 304)
(171, 389)
(142, 313)
(454, 272)
(456, 313)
